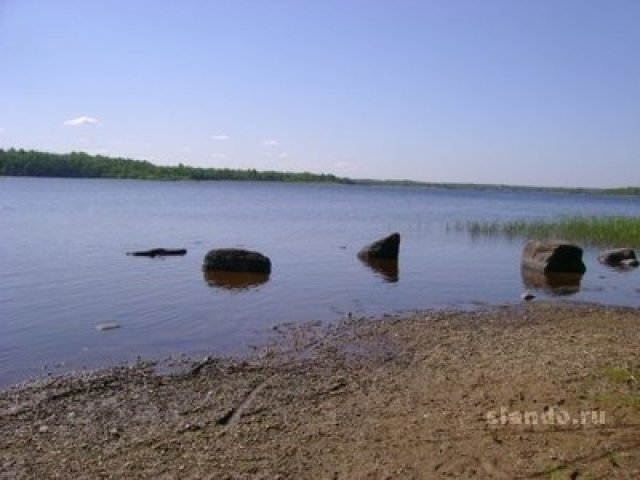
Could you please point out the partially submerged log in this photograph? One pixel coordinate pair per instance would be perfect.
(553, 256)
(158, 252)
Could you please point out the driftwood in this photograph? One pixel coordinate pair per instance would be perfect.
(158, 252)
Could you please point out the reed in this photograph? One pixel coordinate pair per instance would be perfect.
(612, 231)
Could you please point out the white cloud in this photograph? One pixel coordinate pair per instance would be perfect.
(284, 155)
(270, 143)
(82, 120)
(220, 137)
(219, 156)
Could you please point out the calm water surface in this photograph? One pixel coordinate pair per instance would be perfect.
(65, 268)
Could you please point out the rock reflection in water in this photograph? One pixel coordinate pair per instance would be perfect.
(386, 268)
(234, 280)
(553, 283)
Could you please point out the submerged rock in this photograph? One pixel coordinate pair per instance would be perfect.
(237, 260)
(553, 256)
(385, 248)
(234, 280)
(619, 257)
(387, 268)
(557, 284)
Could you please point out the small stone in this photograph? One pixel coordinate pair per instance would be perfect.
(629, 263)
(527, 296)
(43, 429)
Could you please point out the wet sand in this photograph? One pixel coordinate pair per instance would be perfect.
(538, 390)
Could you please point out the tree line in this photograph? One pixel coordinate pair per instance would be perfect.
(31, 163)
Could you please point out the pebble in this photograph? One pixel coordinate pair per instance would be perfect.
(527, 296)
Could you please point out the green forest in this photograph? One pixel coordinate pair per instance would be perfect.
(30, 163)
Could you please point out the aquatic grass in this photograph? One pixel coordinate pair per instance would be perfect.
(613, 231)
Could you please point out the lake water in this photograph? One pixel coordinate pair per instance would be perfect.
(64, 267)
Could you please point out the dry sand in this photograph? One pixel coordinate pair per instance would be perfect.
(433, 395)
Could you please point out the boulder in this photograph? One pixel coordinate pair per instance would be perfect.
(234, 280)
(385, 248)
(553, 256)
(158, 252)
(237, 260)
(387, 268)
(556, 284)
(619, 257)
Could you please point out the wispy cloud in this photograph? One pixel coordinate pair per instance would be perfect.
(2, 130)
(270, 143)
(219, 156)
(220, 137)
(80, 121)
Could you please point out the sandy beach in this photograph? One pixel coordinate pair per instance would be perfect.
(539, 390)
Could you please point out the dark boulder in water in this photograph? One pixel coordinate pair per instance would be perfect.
(553, 256)
(234, 280)
(387, 268)
(385, 248)
(237, 260)
(619, 257)
(557, 284)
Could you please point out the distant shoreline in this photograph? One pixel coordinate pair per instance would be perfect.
(32, 163)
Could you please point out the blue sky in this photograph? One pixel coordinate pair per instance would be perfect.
(533, 92)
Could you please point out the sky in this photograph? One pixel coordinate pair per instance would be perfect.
(521, 92)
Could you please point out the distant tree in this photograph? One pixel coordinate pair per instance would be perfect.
(82, 165)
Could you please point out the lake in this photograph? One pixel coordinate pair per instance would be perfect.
(65, 269)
